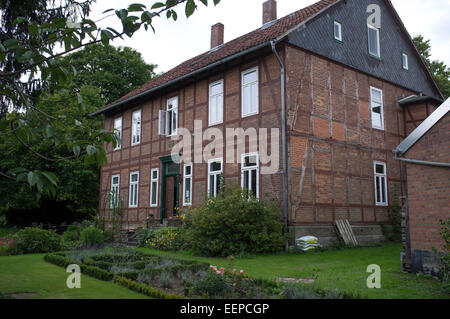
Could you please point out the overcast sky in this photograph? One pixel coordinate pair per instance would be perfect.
(175, 42)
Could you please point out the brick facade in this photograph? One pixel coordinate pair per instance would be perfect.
(428, 187)
(331, 144)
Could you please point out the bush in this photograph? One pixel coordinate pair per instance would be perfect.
(231, 224)
(168, 238)
(35, 240)
(144, 289)
(71, 236)
(91, 236)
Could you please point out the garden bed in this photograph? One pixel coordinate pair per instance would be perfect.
(167, 277)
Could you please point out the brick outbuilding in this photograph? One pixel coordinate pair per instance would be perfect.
(425, 154)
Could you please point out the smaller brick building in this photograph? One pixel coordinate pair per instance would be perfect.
(426, 155)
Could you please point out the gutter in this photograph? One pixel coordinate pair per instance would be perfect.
(181, 78)
(283, 139)
(419, 162)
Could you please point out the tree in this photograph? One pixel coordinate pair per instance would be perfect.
(115, 71)
(439, 70)
(77, 195)
(39, 62)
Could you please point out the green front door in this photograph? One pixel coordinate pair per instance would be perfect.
(170, 182)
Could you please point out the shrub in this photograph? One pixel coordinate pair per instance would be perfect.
(35, 240)
(444, 258)
(7, 246)
(144, 289)
(91, 236)
(231, 224)
(165, 279)
(213, 285)
(71, 236)
(168, 238)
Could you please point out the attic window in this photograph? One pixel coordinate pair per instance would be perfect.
(405, 62)
(373, 35)
(338, 31)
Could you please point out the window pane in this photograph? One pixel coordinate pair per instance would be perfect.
(154, 188)
(373, 42)
(115, 180)
(379, 169)
(383, 189)
(250, 161)
(376, 117)
(254, 182)
(250, 77)
(134, 178)
(217, 184)
(337, 31)
(216, 89)
(155, 175)
(135, 195)
(375, 95)
(377, 191)
(254, 98)
(187, 190)
(187, 170)
(247, 99)
(246, 180)
(211, 185)
(215, 167)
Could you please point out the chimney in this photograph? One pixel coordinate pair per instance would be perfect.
(269, 11)
(217, 31)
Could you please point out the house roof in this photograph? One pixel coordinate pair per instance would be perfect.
(423, 128)
(275, 30)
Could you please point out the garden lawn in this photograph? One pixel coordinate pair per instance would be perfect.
(31, 274)
(342, 269)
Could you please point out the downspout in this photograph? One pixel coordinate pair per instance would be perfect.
(283, 141)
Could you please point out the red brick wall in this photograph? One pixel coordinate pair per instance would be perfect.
(428, 187)
(332, 143)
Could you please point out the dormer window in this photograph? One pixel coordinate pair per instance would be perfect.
(373, 35)
(338, 31)
(405, 62)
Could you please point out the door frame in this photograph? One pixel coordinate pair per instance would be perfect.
(165, 161)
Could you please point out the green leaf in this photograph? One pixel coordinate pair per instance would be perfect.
(136, 7)
(169, 14)
(32, 178)
(216, 2)
(157, 5)
(20, 20)
(205, 2)
(51, 178)
(76, 150)
(49, 130)
(106, 36)
(190, 8)
(107, 11)
(11, 43)
(91, 150)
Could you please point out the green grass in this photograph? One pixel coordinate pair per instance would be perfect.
(342, 269)
(31, 274)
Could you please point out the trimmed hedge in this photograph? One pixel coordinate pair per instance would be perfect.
(91, 271)
(145, 289)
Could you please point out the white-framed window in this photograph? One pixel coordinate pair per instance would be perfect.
(337, 31)
(216, 103)
(134, 189)
(374, 44)
(250, 92)
(187, 185)
(376, 108)
(136, 128)
(118, 131)
(215, 170)
(405, 62)
(250, 173)
(115, 190)
(154, 181)
(168, 119)
(380, 179)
